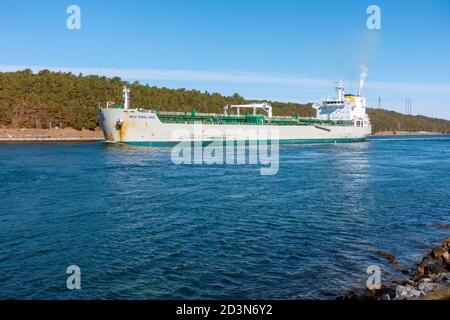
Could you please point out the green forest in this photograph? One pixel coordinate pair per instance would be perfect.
(45, 99)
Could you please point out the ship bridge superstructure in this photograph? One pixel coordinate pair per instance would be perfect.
(345, 107)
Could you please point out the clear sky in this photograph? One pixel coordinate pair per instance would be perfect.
(280, 50)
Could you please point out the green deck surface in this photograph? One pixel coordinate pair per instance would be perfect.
(247, 119)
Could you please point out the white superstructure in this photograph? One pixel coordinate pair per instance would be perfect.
(346, 107)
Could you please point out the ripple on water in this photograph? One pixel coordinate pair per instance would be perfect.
(142, 228)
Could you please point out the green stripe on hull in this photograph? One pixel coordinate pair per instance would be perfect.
(168, 144)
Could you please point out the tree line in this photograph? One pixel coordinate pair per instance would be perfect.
(48, 99)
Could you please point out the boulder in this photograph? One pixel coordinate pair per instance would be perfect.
(441, 226)
(427, 288)
(443, 278)
(409, 282)
(425, 280)
(437, 253)
(425, 262)
(406, 271)
(389, 256)
(406, 292)
(446, 257)
(351, 296)
(433, 268)
(446, 242)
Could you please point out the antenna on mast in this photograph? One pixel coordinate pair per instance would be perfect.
(340, 91)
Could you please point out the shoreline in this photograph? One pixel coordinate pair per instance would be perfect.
(429, 280)
(69, 135)
(54, 135)
(406, 133)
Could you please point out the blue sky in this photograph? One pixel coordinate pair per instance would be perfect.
(279, 50)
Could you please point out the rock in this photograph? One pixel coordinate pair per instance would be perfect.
(420, 271)
(433, 277)
(383, 290)
(446, 257)
(406, 271)
(443, 278)
(433, 268)
(388, 256)
(377, 294)
(425, 280)
(427, 288)
(385, 297)
(426, 261)
(406, 292)
(441, 226)
(409, 282)
(433, 263)
(446, 241)
(401, 292)
(415, 293)
(437, 253)
(350, 296)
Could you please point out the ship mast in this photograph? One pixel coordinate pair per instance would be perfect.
(126, 97)
(340, 91)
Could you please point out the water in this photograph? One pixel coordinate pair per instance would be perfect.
(141, 227)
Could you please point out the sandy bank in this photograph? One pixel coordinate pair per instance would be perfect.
(49, 135)
(405, 133)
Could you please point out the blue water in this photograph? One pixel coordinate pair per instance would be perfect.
(141, 227)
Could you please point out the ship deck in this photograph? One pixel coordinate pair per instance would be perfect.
(247, 119)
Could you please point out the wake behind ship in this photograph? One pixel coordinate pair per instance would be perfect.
(340, 120)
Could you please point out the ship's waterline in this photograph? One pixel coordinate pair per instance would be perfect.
(171, 144)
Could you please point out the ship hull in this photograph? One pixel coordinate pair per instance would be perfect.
(137, 128)
(169, 144)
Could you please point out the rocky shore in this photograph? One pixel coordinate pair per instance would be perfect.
(49, 135)
(430, 281)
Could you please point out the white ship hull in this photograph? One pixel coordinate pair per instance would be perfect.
(144, 128)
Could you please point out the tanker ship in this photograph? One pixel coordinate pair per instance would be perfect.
(342, 119)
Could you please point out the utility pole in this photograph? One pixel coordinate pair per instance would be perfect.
(408, 107)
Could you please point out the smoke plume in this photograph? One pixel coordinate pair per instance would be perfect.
(362, 77)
